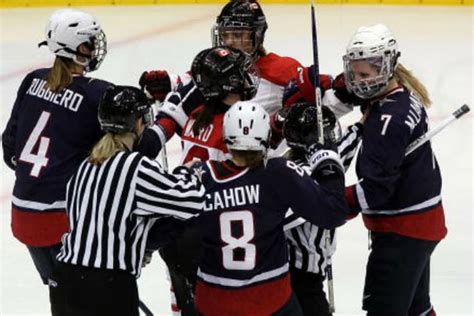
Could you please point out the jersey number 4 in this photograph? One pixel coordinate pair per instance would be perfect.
(38, 160)
(239, 253)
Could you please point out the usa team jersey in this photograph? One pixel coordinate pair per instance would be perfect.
(46, 138)
(397, 193)
(244, 267)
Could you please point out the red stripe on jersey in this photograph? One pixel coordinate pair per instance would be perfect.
(426, 225)
(175, 308)
(169, 126)
(351, 197)
(259, 300)
(39, 229)
(278, 70)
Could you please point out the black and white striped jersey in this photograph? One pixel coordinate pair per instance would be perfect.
(309, 245)
(112, 206)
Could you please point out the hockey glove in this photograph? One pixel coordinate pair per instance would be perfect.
(343, 94)
(326, 167)
(302, 88)
(157, 83)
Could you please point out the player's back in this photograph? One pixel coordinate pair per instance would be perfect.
(244, 248)
(49, 134)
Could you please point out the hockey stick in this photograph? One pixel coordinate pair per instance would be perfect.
(144, 308)
(332, 305)
(428, 135)
(319, 120)
(317, 83)
(164, 157)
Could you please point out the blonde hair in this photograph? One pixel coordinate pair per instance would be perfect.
(250, 158)
(60, 76)
(106, 147)
(407, 79)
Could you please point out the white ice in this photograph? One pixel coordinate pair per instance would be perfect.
(436, 43)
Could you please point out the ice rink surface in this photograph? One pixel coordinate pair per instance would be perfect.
(436, 43)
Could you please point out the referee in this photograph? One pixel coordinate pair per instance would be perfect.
(112, 201)
(311, 246)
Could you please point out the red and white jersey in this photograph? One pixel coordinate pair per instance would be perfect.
(208, 145)
(275, 73)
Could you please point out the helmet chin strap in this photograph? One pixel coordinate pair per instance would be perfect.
(137, 139)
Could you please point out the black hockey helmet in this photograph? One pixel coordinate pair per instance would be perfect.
(300, 127)
(221, 70)
(241, 15)
(120, 106)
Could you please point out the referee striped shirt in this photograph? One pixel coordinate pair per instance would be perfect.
(111, 208)
(309, 245)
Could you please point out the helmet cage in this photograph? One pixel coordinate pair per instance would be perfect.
(376, 45)
(238, 16)
(67, 29)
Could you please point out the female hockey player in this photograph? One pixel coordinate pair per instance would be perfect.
(244, 269)
(242, 25)
(51, 129)
(222, 76)
(399, 195)
(112, 201)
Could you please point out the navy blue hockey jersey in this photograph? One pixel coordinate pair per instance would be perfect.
(47, 136)
(245, 252)
(398, 193)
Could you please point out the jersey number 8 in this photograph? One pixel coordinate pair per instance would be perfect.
(239, 253)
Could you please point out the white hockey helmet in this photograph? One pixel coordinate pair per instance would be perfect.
(67, 29)
(247, 127)
(377, 45)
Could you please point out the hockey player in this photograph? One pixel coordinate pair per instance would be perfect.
(221, 75)
(244, 269)
(242, 25)
(398, 195)
(311, 246)
(112, 201)
(51, 129)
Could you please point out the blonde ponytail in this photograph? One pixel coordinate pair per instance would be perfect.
(60, 76)
(406, 78)
(106, 147)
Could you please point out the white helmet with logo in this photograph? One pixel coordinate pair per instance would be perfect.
(378, 46)
(67, 29)
(247, 127)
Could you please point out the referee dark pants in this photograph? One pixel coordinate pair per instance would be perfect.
(397, 279)
(83, 291)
